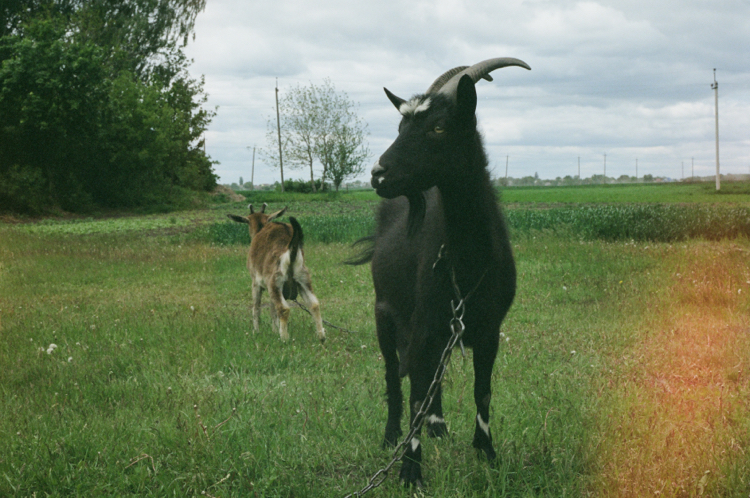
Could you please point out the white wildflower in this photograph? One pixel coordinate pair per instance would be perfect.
(51, 348)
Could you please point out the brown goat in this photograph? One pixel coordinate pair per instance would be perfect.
(276, 263)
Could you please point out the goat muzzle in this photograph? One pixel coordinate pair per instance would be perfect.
(377, 173)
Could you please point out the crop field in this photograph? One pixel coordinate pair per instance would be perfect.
(129, 367)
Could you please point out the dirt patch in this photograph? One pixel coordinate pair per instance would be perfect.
(229, 193)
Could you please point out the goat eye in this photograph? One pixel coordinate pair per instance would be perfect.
(439, 129)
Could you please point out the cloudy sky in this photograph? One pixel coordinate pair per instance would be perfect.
(627, 78)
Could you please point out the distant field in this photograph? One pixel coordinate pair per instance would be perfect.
(670, 193)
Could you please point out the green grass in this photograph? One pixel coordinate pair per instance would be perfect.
(149, 329)
(158, 386)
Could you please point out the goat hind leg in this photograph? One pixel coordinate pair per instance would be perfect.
(484, 358)
(307, 295)
(257, 294)
(435, 422)
(387, 340)
(280, 310)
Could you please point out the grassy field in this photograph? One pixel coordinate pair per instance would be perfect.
(128, 366)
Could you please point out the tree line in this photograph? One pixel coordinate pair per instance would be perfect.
(97, 109)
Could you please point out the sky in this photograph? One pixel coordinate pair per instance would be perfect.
(620, 84)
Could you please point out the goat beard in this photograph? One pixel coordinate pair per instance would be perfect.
(417, 204)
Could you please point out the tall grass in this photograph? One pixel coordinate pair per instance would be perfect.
(639, 222)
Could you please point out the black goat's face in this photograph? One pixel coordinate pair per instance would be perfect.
(432, 131)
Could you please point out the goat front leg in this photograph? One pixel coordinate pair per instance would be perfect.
(421, 373)
(484, 358)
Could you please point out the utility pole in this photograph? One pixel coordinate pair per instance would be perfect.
(252, 171)
(715, 87)
(636, 170)
(278, 129)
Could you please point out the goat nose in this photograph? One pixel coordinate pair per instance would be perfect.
(377, 168)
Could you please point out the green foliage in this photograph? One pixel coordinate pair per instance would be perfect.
(80, 131)
(302, 186)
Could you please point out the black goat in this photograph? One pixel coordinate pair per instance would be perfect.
(440, 224)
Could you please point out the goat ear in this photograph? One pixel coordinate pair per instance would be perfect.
(466, 97)
(238, 219)
(396, 101)
(275, 215)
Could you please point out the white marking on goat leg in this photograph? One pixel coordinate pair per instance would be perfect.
(414, 106)
(434, 419)
(483, 425)
(414, 444)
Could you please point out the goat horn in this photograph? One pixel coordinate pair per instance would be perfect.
(263, 208)
(250, 208)
(447, 83)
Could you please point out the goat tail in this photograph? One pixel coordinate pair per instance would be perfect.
(297, 239)
(295, 246)
(365, 254)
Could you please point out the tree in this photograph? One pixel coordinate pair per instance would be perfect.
(79, 130)
(344, 155)
(144, 34)
(318, 125)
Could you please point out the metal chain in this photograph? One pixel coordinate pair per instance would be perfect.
(457, 330)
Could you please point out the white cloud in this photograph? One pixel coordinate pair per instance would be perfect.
(626, 78)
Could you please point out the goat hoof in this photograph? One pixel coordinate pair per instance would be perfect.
(391, 439)
(437, 430)
(411, 474)
(485, 448)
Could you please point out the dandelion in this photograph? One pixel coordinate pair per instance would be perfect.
(70, 358)
(573, 352)
(51, 348)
